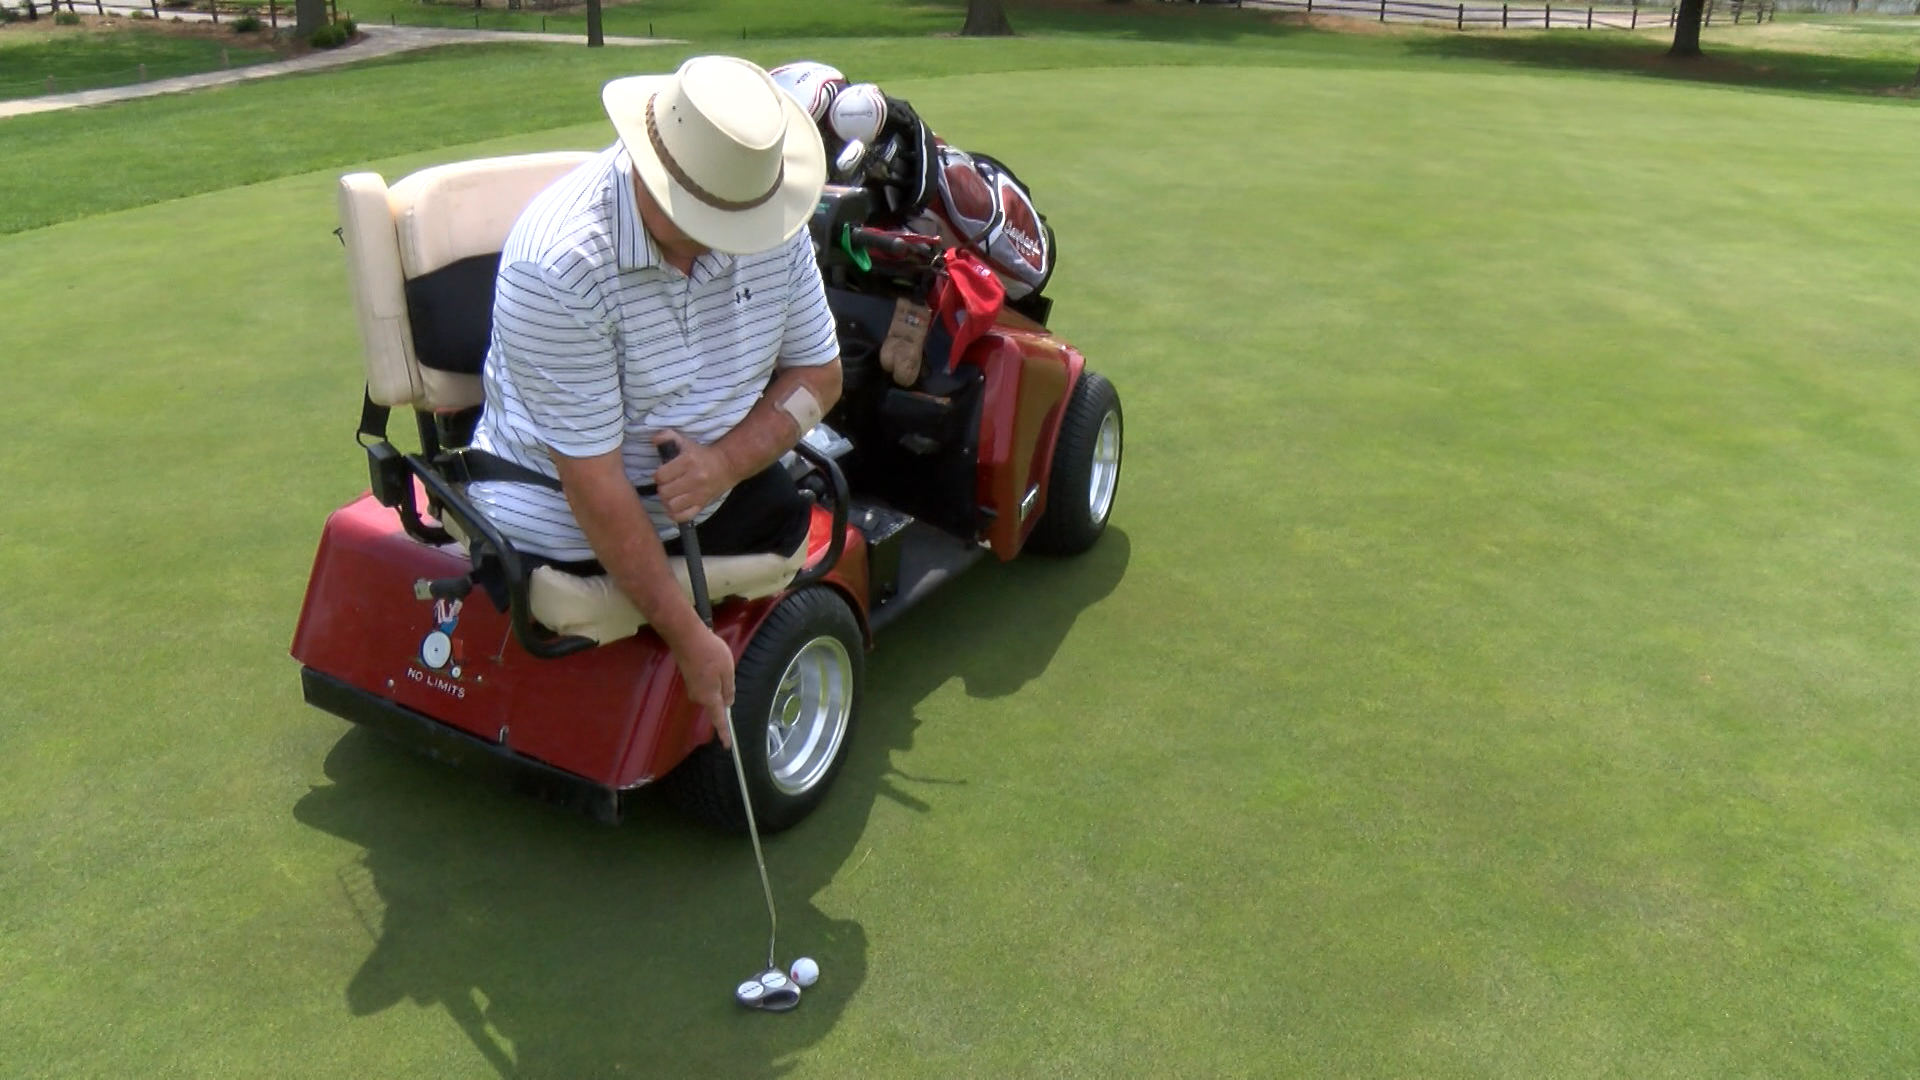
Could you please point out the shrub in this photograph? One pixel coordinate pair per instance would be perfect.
(330, 36)
(350, 27)
(247, 24)
(8, 15)
(67, 18)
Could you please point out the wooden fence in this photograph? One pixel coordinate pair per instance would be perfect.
(1508, 16)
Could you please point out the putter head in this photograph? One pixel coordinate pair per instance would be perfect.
(770, 991)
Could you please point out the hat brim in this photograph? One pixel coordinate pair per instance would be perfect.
(734, 232)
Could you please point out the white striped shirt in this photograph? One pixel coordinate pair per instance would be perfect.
(598, 344)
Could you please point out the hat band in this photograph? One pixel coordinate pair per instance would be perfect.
(693, 188)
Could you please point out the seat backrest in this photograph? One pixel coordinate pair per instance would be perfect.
(421, 260)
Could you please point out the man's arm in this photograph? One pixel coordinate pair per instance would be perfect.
(554, 350)
(702, 474)
(622, 535)
(806, 386)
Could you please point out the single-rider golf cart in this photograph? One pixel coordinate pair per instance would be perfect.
(1002, 441)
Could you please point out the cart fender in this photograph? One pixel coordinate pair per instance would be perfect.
(1028, 379)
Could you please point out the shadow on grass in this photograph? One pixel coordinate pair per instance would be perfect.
(565, 948)
(1151, 20)
(1814, 73)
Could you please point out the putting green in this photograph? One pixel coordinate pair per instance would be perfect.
(1499, 665)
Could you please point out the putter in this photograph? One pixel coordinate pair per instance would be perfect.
(771, 990)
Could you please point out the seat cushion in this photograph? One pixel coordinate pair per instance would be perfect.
(595, 607)
(421, 258)
(457, 211)
(451, 221)
(379, 290)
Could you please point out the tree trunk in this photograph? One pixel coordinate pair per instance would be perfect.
(986, 18)
(308, 16)
(1686, 29)
(596, 34)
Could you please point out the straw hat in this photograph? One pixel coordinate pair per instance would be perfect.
(735, 163)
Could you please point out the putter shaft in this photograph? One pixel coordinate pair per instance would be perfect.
(697, 581)
(753, 831)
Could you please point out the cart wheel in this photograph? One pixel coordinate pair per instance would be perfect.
(1086, 471)
(796, 693)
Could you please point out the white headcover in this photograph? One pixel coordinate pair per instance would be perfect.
(857, 113)
(811, 84)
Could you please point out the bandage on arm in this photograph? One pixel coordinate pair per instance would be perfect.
(797, 400)
(800, 404)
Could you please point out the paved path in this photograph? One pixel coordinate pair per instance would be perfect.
(379, 41)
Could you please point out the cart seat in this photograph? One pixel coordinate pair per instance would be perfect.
(421, 260)
(594, 607)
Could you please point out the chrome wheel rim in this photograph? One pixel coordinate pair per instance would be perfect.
(808, 719)
(1106, 468)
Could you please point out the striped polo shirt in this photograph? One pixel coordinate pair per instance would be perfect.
(598, 344)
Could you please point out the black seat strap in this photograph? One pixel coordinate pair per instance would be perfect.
(466, 466)
(471, 466)
(373, 418)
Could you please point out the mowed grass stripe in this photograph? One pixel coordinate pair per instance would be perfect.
(66, 165)
(1497, 668)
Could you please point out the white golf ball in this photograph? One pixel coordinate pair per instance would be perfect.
(805, 971)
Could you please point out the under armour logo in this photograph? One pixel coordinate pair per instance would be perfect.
(741, 296)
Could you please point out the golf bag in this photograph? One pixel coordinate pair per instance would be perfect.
(979, 204)
(971, 201)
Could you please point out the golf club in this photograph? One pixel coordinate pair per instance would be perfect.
(771, 990)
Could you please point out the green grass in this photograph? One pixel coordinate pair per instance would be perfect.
(139, 152)
(1500, 665)
(692, 19)
(157, 148)
(87, 59)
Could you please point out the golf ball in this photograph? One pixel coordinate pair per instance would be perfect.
(805, 971)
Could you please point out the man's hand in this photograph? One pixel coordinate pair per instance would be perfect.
(706, 667)
(691, 482)
(610, 513)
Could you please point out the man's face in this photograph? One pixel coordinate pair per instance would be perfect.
(662, 229)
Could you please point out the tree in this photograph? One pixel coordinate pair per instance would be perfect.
(308, 16)
(596, 36)
(1686, 30)
(986, 18)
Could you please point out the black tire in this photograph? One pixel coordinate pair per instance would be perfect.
(704, 785)
(1070, 523)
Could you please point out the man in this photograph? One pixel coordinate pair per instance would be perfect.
(664, 292)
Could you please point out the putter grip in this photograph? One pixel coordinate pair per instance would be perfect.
(690, 548)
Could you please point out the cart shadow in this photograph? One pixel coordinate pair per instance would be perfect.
(561, 947)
